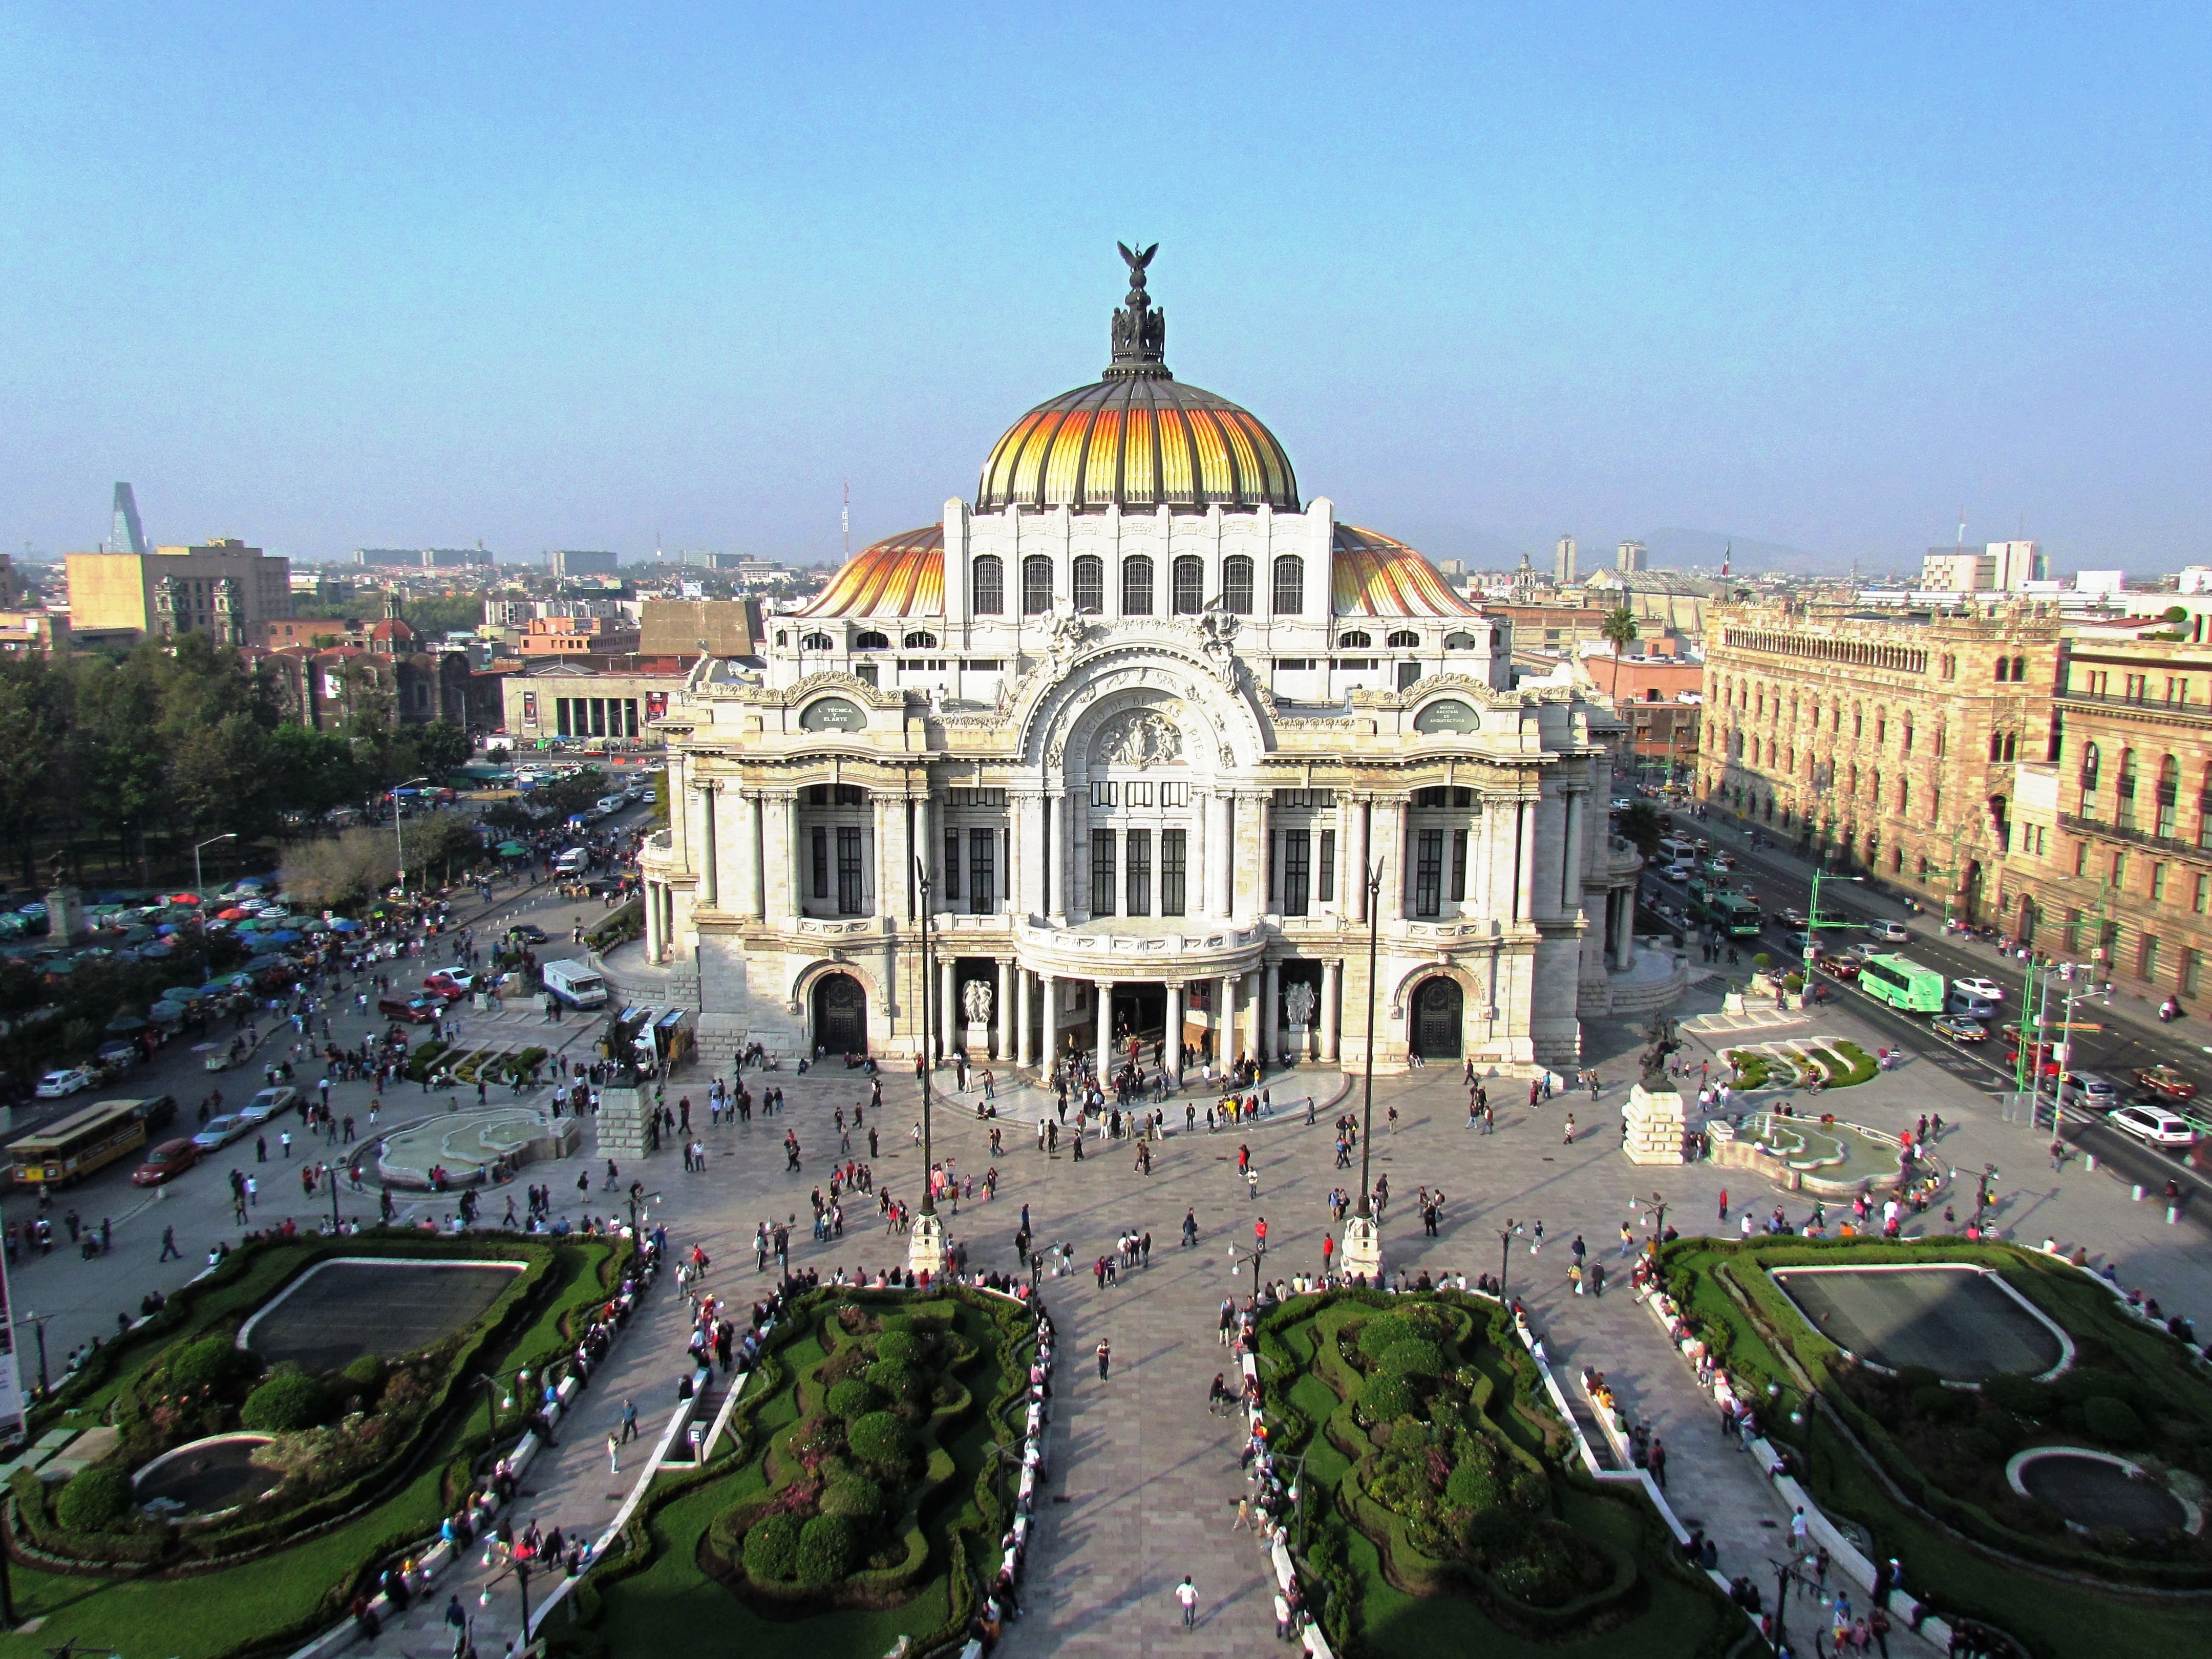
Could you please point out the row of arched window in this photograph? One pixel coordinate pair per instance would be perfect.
(2165, 797)
(1398, 638)
(1185, 595)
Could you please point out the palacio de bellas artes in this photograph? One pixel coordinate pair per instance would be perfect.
(1148, 743)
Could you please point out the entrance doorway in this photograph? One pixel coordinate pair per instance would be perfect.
(840, 1015)
(1439, 1005)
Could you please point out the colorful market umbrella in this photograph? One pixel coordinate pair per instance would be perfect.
(342, 924)
(234, 914)
(284, 936)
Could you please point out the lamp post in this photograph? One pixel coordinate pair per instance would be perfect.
(522, 1571)
(926, 1253)
(1506, 1235)
(39, 1325)
(399, 837)
(198, 880)
(1362, 1237)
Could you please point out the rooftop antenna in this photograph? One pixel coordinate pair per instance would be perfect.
(844, 518)
(1962, 526)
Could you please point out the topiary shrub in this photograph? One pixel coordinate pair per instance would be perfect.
(1414, 1356)
(367, 1375)
(210, 1362)
(2110, 1419)
(2020, 1395)
(827, 1544)
(94, 1500)
(854, 1495)
(899, 1345)
(1384, 1397)
(1471, 1485)
(1376, 1336)
(2077, 1386)
(879, 1438)
(852, 1398)
(771, 1550)
(897, 1378)
(285, 1404)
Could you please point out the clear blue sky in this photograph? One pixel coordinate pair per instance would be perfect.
(571, 276)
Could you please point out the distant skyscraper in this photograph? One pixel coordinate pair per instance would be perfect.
(126, 536)
(1565, 554)
(1631, 556)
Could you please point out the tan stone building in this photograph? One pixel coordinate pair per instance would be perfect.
(1890, 743)
(223, 587)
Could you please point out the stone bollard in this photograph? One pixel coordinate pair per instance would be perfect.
(2136, 1196)
(2173, 1214)
(2090, 1162)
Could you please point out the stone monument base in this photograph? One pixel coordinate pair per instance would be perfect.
(1300, 1042)
(1657, 1125)
(976, 1042)
(621, 1123)
(924, 1249)
(65, 923)
(1363, 1250)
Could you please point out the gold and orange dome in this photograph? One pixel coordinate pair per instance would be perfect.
(1137, 438)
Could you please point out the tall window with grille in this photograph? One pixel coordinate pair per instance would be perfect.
(1101, 873)
(1036, 585)
(1136, 586)
(982, 870)
(1297, 871)
(1173, 859)
(951, 865)
(987, 585)
(1236, 585)
(851, 900)
(1325, 881)
(820, 838)
(1458, 866)
(1289, 585)
(1428, 872)
(1137, 872)
(1090, 584)
(1189, 586)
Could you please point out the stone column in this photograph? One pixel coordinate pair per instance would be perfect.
(1074, 851)
(1524, 875)
(1571, 874)
(1102, 994)
(710, 892)
(1173, 1048)
(1225, 1025)
(1270, 1021)
(653, 921)
(1332, 990)
(1220, 873)
(750, 888)
(1048, 989)
(1356, 861)
(791, 839)
(1024, 1054)
(1030, 858)
(1005, 1009)
(945, 1004)
(1266, 874)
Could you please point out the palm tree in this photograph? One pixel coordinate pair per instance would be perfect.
(1618, 628)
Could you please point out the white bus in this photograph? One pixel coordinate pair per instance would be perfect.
(575, 983)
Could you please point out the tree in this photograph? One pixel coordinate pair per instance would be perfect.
(34, 726)
(440, 747)
(332, 870)
(1618, 628)
(314, 770)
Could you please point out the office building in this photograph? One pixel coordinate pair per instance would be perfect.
(224, 588)
(570, 562)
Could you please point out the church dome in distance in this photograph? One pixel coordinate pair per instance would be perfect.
(1137, 438)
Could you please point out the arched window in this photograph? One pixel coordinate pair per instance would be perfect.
(1356, 640)
(1404, 639)
(2169, 796)
(987, 585)
(2004, 668)
(921, 642)
(1289, 585)
(1090, 584)
(2124, 792)
(1460, 642)
(872, 642)
(2092, 759)
(1137, 586)
(1881, 727)
(819, 642)
(1036, 585)
(1236, 585)
(1996, 745)
(1189, 586)
(2019, 668)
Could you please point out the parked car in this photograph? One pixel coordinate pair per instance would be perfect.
(166, 1163)
(1983, 990)
(2091, 1088)
(416, 1010)
(118, 1056)
(266, 1103)
(2160, 1079)
(61, 1083)
(2161, 1129)
(1890, 933)
(1969, 1007)
(220, 1132)
(1960, 1028)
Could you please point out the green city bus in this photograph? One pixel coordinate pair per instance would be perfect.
(1734, 914)
(1902, 984)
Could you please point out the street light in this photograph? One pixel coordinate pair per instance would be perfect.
(400, 838)
(928, 1246)
(38, 1324)
(521, 1572)
(198, 880)
(1362, 1243)
(1506, 1235)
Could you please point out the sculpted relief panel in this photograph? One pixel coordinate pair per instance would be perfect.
(1140, 738)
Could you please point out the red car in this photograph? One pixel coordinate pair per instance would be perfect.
(417, 1010)
(2166, 1082)
(165, 1162)
(447, 986)
(1843, 968)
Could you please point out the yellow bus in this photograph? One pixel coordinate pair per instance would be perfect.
(72, 1147)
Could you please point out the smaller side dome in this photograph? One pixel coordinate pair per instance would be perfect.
(902, 575)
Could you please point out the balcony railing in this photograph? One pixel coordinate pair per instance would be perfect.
(2196, 713)
(2104, 831)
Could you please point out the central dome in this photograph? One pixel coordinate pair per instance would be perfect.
(1137, 438)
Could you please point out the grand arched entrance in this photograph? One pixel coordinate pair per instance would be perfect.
(840, 1015)
(1437, 1018)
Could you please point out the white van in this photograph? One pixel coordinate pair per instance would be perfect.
(573, 862)
(575, 984)
(610, 805)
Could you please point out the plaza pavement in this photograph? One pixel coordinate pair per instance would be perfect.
(1144, 1481)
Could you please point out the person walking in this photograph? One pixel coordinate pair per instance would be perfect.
(169, 1246)
(1186, 1596)
(629, 1419)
